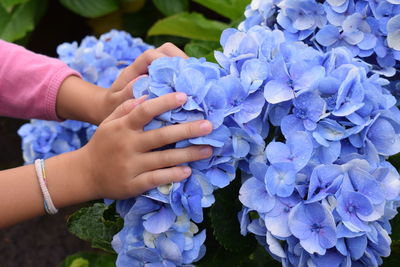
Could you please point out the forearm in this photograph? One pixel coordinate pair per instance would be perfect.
(29, 83)
(80, 100)
(21, 197)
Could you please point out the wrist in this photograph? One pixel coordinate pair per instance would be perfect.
(80, 100)
(86, 173)
(69, 179)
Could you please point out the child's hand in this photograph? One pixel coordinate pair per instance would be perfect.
(121, 89)
(80, 100)
(119, 159)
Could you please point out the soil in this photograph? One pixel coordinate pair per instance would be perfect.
(43, 241)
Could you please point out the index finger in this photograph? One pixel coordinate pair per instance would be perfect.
(149, 109)
(138, 67)
(172, 50)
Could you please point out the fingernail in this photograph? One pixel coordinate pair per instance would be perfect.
(205, 126)
(141, 76)
(143, 97)
(181, 97)
(206, 151)
(187, 170)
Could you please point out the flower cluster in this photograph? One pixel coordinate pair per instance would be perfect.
(321, 191)
(45, 139)
(326, 190)
(310, 129)
(99, 61)
(366, 28)
(230, 106)
(154, 235)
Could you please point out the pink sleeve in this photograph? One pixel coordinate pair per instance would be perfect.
(29, 83)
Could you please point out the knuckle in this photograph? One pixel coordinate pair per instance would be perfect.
(163, 136)
(114, 99)
(123, 73)
(148, 54)
(118, 127)
(191, 154)
(125, 187)
(145, 110)
(166, 157)
(144, 166)
(152, 180)
(125, 107)
(188, 130)
(168, 45)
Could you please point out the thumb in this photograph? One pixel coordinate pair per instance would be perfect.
(124, 108)
(127, 92)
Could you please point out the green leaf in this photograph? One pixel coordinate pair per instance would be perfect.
(232, 9)
(21, 20)
(394, 258)
(96, 224)
(189, 25)
(395, 222)
(145, 17)
(260, 258)
(9, 4)
(202, 49)
(223, 216)
(159, 40)
(171, 7)
(197, 48)
(221, 257)
(395, 160)
(91, 8)
(89, 259)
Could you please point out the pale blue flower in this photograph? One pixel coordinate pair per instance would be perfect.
(254, 195)
(289, 80)
(314, 225)
(297, 150)
(280, 179)
(393, 28)
(276, 220)
(325, 180)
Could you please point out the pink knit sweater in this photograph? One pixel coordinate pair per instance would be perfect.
(29, 83)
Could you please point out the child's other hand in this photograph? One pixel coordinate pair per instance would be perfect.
(84, 101)
(119, 159)
(121, 89)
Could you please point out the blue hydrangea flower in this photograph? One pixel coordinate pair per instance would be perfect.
(366, 28)
(322, 190)
(300, 18)
(314, 226)
(393, 29)
(45, 139)
(333, 113)
(99, 61)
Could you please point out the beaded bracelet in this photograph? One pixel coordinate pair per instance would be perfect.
(41, 174)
